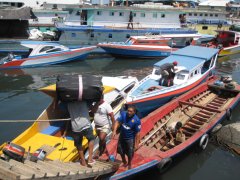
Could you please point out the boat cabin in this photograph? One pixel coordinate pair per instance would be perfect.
(192, 64)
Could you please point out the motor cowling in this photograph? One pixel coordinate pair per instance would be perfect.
(14, 151)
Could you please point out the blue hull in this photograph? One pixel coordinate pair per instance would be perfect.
(135, 53)
(146, 107)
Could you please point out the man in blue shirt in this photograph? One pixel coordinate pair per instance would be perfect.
(129, 139)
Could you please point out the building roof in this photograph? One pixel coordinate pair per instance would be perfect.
(24, 13)
(214, 3)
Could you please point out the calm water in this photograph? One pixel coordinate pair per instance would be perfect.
(20, 99)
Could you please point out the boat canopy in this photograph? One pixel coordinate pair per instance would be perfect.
(197, 52)
(189, 57)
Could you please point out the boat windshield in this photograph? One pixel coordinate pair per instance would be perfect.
(129, 42)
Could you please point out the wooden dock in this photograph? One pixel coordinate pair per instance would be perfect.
(53, 170)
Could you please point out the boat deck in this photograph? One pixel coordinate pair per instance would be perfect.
(53, 170)
(195, 114)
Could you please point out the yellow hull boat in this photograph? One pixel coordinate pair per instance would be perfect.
(46, 132)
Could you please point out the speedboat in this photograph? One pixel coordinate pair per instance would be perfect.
(45, 133)
(43, 54)
(151, 46)
(199, 111)
(195, 65)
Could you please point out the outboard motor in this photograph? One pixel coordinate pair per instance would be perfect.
(226, 78)
(14, 151)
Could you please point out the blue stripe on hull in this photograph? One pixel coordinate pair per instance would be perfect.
(146, 107)
(135, 53)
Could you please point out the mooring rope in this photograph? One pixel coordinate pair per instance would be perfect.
(28, 121)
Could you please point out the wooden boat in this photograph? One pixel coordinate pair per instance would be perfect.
(46, 132)
(44, 53)
(195, 65)
(199, 110)
(151, 46)
(227, 41)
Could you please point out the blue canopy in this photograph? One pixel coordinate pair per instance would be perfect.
(190, 57)
(197, 52)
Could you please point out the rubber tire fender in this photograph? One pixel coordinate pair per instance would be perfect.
(204, 141)
(164, 164)
(229, 114)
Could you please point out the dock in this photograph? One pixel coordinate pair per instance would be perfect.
(54, 170)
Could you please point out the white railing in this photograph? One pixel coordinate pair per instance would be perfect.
(136, 25)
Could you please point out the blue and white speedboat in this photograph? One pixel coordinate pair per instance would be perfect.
(44, 53)
(195, 66)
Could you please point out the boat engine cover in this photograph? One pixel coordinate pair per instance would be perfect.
(14, 151)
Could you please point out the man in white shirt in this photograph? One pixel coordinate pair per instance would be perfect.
(104, 121)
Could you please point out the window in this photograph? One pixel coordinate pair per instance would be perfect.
(181, 76)
(74, 35)
(46, 48)
(196, 71)
(195, 14)
(134, 14)
(111, 13)
(99, 13)
(163, 16)
(154, 15)
(206, 14)
(110, 36)
(121, 13)
(142, 14)
(78, 13)
(92, 35)
(216, 15)
(211, 15)
(200, 14)
(54, 50)
(191, 75)
(129, 88)
(190, 14)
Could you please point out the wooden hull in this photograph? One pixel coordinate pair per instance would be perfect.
(230, 51)
(200, 110)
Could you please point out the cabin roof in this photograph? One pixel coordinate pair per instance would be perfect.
(189, 62)
(189, 57)
(197, 52)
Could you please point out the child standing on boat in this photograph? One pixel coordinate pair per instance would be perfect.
(129, 139)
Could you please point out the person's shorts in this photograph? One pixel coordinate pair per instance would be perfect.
(106, 128)
(78, 137)
(126, 147)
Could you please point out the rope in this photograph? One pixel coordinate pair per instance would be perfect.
(28, 121)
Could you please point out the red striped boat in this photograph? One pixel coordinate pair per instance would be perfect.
(199, 111)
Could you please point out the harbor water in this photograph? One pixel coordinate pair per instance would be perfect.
(20, 100)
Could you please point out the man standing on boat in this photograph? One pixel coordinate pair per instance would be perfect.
(130, 22)
(129, 139)
(81, 126)
(103, 113)
(168, 72)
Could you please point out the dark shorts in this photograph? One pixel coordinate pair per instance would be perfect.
(78, 137)
(126, 147)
